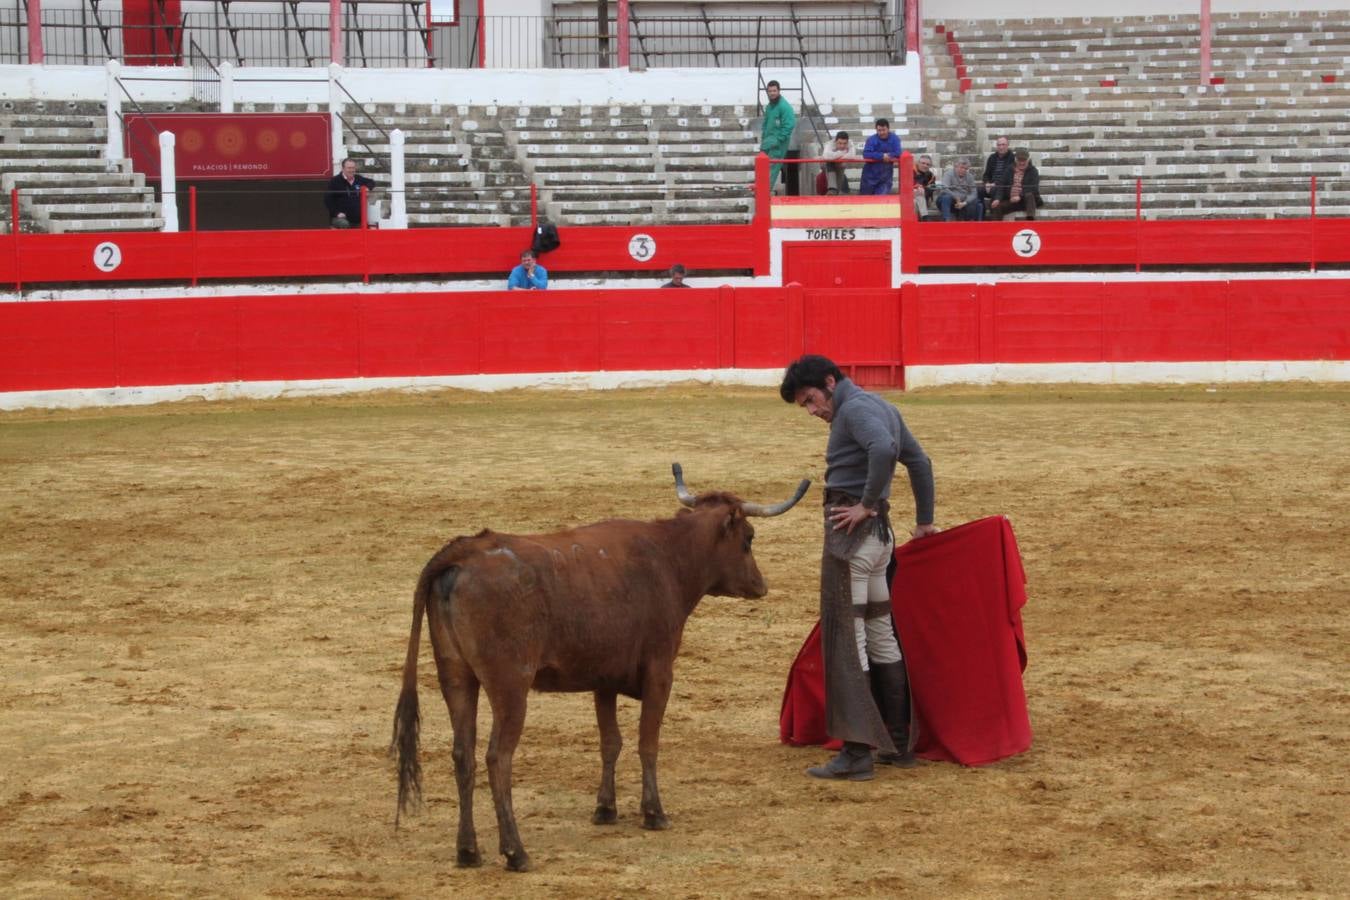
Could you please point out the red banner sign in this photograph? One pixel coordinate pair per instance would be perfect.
(236, 146)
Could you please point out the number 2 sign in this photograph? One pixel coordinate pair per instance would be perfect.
(107, 256)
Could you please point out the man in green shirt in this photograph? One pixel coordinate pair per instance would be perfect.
(776, 132)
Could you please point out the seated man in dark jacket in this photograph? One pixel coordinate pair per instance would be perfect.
(1018, 188)
(343, 197)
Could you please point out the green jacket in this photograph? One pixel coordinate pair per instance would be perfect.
(779, 120)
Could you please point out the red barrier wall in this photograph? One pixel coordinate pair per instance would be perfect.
(203, 340)
(312, 253)
(1152, 321)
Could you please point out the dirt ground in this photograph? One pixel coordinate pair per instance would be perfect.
(205, 608)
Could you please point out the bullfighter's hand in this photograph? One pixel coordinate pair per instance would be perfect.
(924, 530)
(848, 517)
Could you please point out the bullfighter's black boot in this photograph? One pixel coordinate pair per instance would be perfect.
(890, 687)
(854, 763)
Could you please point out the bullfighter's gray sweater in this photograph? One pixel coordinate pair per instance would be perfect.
(867, 437)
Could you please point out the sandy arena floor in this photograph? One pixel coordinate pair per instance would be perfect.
(205, 609)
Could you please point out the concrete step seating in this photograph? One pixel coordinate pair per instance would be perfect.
(1281, 115)
(52, 152)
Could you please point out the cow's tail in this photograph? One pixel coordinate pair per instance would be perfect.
(407, 719)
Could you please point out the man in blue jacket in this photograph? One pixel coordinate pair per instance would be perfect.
(528, 276)
(881, 151)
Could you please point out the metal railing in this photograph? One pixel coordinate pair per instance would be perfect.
(88, 37)
(91, 35)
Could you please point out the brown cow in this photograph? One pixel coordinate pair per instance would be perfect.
(599, 608)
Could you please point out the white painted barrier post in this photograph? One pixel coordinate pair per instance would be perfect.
(168, 182)
(113, 150)
(398, 203)
(226, 87)
(335, 106)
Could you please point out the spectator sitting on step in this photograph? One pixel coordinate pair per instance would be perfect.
(836, 180)
(925, 186)
(677, 272)
(959, 194)
(1018, 189)
(343, 197)
(881, 151)
(528, 276)
(998, 162)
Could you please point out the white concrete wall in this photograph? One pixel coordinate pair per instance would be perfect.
(952, 10)
(898, 84)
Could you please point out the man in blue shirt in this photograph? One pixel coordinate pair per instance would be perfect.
(881, 151)
(528, 276)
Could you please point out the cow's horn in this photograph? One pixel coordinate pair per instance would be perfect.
(759, 509)
(681, 491)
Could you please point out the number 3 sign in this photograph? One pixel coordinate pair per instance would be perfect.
(1026, 243)
(641, 247)
(107, 256)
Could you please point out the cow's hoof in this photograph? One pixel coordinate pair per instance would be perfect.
(604, 816)
(518, 862)
(655, 822)
(468, 858)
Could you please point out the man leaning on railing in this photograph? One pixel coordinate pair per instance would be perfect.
(343, 197)
(836, 180)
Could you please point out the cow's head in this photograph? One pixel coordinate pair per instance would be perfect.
(731, 564)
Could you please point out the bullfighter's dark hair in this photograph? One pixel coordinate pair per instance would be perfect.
(808, 371)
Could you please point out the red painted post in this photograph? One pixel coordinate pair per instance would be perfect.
(14, 235)
(763, 218)
(335, 31)
(365, 238)
(621, 25)
(431, 38)
(1138, 222)
(905, 172)
(796, 321)
(1206, 27)
(192, 227)
(482, 36)
(36, 52)
(913, 27)
(726, 327)
(534, 208)
(1312, 222)
(909, 221)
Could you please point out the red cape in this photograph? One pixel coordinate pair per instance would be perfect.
(957, 600)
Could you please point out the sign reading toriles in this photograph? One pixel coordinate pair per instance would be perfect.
(218, 146)
(830, 234)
